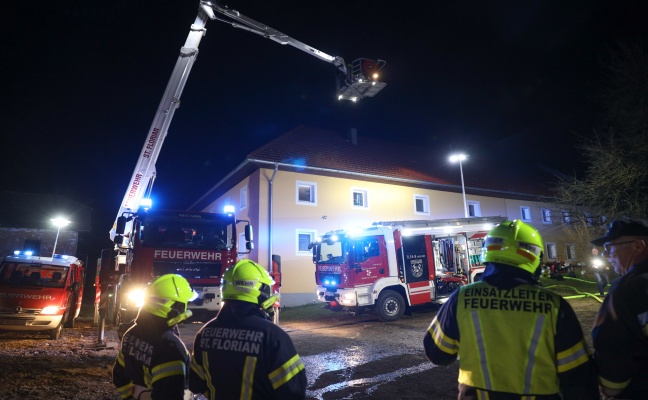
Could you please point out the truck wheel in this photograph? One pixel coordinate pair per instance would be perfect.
(390, 306)
(55, 334)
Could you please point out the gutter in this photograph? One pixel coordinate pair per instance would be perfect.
(270, 207)
(275, 165)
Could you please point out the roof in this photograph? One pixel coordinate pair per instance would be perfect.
(324, 152)
(35, 211)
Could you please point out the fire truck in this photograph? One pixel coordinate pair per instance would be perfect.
(40, 293)
(394, 265)
(141, 251)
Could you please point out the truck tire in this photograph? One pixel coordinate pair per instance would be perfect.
(390, 306)
(55, 334)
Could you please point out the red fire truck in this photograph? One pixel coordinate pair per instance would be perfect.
(394, 265)
(199, 246)
(40, 293)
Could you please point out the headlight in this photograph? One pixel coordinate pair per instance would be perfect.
(50, 310)
(137, 296)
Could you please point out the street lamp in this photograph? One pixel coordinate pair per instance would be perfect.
(461, 157)
(59, 223)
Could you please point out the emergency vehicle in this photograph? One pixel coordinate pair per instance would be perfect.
(394, 265)
(199, 246)
(40, 293)
(140, 254)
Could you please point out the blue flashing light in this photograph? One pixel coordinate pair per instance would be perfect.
(60, 257)
(146, 203)
(27, 253)
(228, 209)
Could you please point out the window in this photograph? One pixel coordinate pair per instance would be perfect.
(243, 198)
(546, 216)
(359, 198)
(566, 217)
(307, 193)
(551, 251)
(525, 213)
(473, 209)
(304, 238)
(571, 251)
(421, 204)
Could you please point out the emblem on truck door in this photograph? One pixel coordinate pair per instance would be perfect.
(417, 267)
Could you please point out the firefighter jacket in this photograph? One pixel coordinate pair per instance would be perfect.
(620, 335)
(152, 359)
(241, 355)
(513, 338)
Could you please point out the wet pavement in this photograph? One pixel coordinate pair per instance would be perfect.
(359, 357)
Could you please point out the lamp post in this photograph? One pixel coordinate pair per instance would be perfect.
(461, 157)
(59, 223)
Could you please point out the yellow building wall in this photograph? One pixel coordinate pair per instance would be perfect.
(334, 210)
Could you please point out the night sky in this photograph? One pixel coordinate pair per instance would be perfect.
(513, 83)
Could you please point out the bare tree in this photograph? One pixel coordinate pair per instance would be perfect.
(615, 182)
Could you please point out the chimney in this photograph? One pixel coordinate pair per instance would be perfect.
(353, 136)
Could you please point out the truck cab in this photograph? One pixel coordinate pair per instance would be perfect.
(40, 293)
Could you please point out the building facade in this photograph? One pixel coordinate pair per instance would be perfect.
(309, 182)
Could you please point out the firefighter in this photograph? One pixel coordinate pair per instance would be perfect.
(514, 339)
(153, 361)
(620, 333)
(240, 354)
(599, 267)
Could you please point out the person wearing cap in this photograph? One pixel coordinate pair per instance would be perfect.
(599, 267)
(620, 332)
(514, 339)
(152, 362)
(241, 354)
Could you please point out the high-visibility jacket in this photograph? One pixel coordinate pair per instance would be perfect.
(152, 360)
(512, 337)
(241, 355)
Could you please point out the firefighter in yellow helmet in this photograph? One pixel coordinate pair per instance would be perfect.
(153, 362)
(514, 339)
(241, 354)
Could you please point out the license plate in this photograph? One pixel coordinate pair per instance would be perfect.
(11, 322)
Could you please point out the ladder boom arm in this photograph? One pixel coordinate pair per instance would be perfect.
(253, 26)
(142, 179)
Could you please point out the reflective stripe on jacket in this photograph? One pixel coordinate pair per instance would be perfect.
(514, 340)
(492, 322)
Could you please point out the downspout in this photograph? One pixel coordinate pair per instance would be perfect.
(270, 206)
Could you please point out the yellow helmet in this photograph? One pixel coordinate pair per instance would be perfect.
(248, 281)
(167, 297)
(514, 243)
